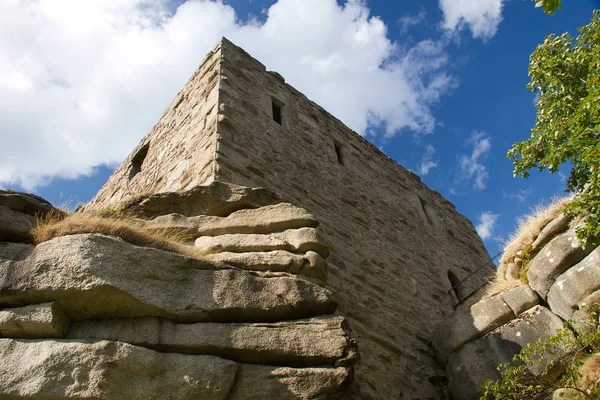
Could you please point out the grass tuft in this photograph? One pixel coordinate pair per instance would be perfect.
(55, 225)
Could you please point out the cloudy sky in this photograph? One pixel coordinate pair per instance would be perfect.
(438, 85)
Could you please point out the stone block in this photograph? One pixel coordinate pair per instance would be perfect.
(555, 227)
(467, 325)
(53, 369)
(35, 321)
(556, 257)
(578, 282)
(520, 298)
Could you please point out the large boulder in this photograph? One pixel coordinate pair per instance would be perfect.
(469, 324)
(469, 367)
(556, 257)
(52, 369)
(25, 203)
(577, 283)
(15, 226)
(96, 276)
(315, 341)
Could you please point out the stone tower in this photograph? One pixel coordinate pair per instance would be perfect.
(397, 247)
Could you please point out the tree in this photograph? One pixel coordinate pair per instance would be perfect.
(550, 6)
(565, 74)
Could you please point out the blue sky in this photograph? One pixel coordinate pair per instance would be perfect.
(438, 85)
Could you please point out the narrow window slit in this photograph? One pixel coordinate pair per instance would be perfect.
(276, 112)
(338, 153)
(137, 160)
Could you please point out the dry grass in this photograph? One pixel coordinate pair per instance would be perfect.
(529, 228)
(520, 242)
(52, 226)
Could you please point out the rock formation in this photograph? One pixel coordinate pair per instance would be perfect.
(562, 277)
(92, 316)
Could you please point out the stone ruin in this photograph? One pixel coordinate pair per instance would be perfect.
(327, 270)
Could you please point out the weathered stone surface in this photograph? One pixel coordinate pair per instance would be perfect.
(476, 362)
(98, 276)
(394, 239)
(216, 198)
(315, 341)
(15, 226)
(51, 369)
(513, 271)
(25, 203)
(268, 219)
(578, 282)
(281, 383)
(520, 298)
(36, 321)
(467, 325)
(294, 240)
(309, 264)
(556, 257)
(554, 228)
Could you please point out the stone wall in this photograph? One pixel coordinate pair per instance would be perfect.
(394, 239)
(394, 242)
(178, 153)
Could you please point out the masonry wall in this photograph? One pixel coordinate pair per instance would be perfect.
(178, 153)
(394, 240)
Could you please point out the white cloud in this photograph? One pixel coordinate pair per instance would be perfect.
(83, 81)
(408, 21)
(470, 166)
(485, 227)
(520, 195)
(481, 17)
(427, 163)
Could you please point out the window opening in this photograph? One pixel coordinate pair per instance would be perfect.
(137, 160)
(455, 283)
(276, 112)
(338, 153)
(427, 211)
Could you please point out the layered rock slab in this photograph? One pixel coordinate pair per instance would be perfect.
(575, 285)
(469, 367)
(308, 264)
(51, 369)
(293, 240)
(35, 321)
(95, 276)
(15, 226)
(556, 257)
(315, 341)
(268, 219)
